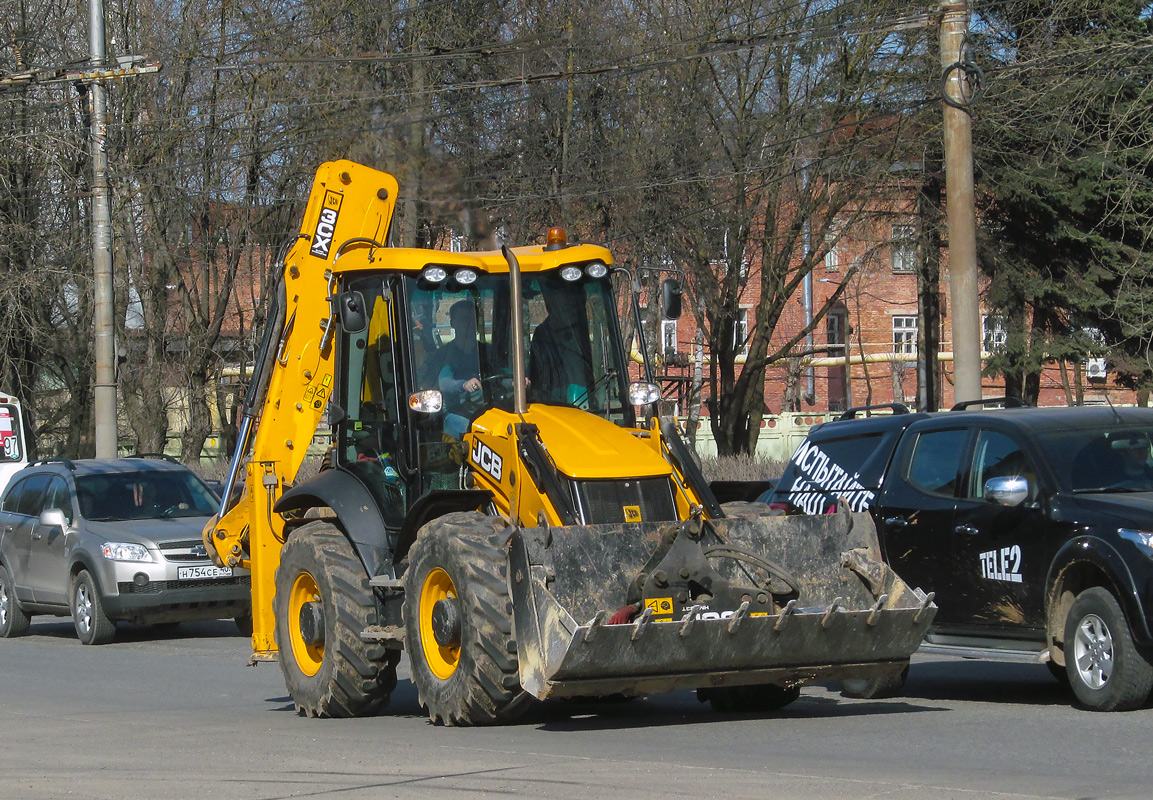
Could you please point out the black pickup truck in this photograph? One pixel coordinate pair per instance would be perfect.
(1033, 527)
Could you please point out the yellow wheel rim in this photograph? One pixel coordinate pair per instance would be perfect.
(441, 660)
(308, 657)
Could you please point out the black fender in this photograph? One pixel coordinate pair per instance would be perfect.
(1094, 550)
(358, 511)
(437, 503)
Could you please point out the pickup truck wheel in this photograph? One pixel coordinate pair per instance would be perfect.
(1105, 670)
(92, 625)
(754, 699)
(458, 622)
(13, 619)
(877, 688)
(323, 602)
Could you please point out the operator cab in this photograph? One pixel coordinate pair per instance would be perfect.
(433, 353)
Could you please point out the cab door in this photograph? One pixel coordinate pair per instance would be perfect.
(1003, 551)
(915, 516)
(48, 567)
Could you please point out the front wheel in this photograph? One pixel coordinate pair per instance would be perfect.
(92, 625)
(458, 622)
(323, 602)
(13, 619)
(1105, 670)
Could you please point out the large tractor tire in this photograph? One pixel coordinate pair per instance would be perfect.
(323, 602)
(458, 622)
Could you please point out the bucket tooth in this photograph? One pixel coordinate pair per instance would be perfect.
(642, 624)
(928, 601)
(830, 611)
(783, 617)
(876, 610)
(594, 625)
(690, 617)
(738, 615)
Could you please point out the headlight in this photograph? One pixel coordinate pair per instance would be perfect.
(434, 274)
(597, 269)
(570, 273)
(464, 276)
(124, 551)
(428, 401)
(641, 394)
(1143, 539)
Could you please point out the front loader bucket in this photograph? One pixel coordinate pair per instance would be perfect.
(843, 614)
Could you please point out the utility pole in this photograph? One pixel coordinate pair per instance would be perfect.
(961, 219)
(105, 344)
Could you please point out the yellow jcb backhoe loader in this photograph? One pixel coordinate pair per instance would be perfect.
(504, 503)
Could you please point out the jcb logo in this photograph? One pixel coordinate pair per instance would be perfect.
(483, 456)
(326, 225)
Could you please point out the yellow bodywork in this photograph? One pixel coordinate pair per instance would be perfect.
(345, 230)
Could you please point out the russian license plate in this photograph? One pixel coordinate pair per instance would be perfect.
(202, 573)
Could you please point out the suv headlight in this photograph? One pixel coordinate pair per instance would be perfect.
(124, 551)
(1143, 539)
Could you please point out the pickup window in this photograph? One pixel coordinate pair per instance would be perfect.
(936, 460)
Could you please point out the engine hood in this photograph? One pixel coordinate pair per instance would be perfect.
(587, 447)
(1133, 509)
(149, 531)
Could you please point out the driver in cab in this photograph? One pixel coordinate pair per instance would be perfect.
(459, 376)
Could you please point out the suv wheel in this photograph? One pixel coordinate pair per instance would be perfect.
(13, 619)
(1105, 670)
(92, 625)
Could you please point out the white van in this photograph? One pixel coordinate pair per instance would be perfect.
(13, 453)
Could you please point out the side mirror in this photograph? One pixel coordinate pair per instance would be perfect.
(350, 307)
(671, 298)
(1007, 491)
(53, 518)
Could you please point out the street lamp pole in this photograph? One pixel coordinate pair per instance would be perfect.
(961, 219)
(105, 338)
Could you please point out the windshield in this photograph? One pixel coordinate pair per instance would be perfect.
(461, 344)
(1114, 458)
(143, 495)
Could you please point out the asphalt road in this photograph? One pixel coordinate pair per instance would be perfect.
(180, 716)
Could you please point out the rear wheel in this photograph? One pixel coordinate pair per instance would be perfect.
(749, 699)
(92, 625)
(1105, 670)
(458, 622)
(323, 602)
(13, 620)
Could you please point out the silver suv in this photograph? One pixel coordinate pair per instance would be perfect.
(105, 540)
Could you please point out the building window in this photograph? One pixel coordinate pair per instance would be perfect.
(832, 253)
(904, 247)
(992, 333)
(905, 335)
(741, 333)
(668, 336)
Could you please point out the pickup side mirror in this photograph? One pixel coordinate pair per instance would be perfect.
(53, 518)
(1007, 491)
